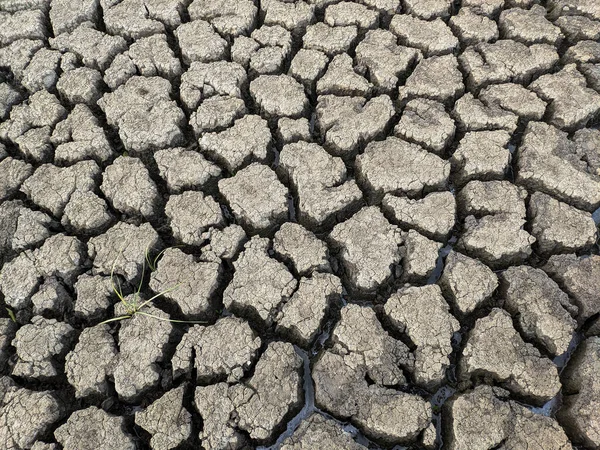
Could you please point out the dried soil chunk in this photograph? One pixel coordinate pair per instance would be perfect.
(358, 122)
(467, 282)
(248, 139)
(229, 17)
(396, 166)
(386, 8)
(423, 314)
(318, 432)
(498, 240)
(95, 48)
(149, 56)
(547, 165)
(385, 62)
(188, 284)
(81, 85)
(216, 113)
(131, 19)
(122, 249)
(538, 305)
(472, 114)
(368, 248)
(216, 407)
(204, 80)
(145, 115)
(65, 15)
(579, 277)
(341, 78)
(226, 243)
(329, 40)
(19, 280)
(80, 136)
(273, 392)
(481, 155)
(308, 66)
(259, 406)
(432, 38)
(485, 418)
(572, 105)
(9, 97)
(41, 71)
(200, 42)
(21, 227)
(41, 347)
(360, 338)
(529, 26)
(94, 297)
(259, 283)
(41, 110)
(17, 56)
(559, 227)
(306, 252)
(34, 145)
(265, 52)
(420, 258)
(28, 24)
(86, 213)
(481, 198)
(425, 122)
(587, 144)
(25, 415)
(435, 78)
(347, 13)
(293, 130)
(583, 52)
(14, 173)
(61, 256)
(320, 181)
(489, 8)
(8, 328)
(579, 413)
(291, 16)
(190, 214)
(92, 428)
(223, 351)
(514, 98)
(128, 186)
(433, 216)
(428, 9)
(364, 351)
(90, 363)
(256, 196)
(588, 8)
(142, 342)
(506, 61)
(39, 445)
(472, 28)
(52, 299)
(278, 96)
(578, 28)
(303, 315)
(167, 420)
(496, 351)
(184, 169)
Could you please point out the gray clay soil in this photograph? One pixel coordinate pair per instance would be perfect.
(366, 224)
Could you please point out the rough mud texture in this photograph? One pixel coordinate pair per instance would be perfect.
(299, 224)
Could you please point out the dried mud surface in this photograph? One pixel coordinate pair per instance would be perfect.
(345, 224)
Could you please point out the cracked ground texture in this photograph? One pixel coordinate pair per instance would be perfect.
(355, 224)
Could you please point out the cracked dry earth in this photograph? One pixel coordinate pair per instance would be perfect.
(373, 224)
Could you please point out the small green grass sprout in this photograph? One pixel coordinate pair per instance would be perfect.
(135, 306)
